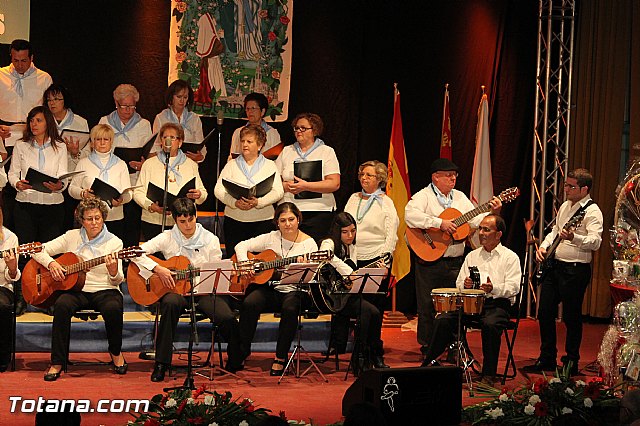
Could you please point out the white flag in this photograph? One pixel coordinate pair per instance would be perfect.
(481, 180)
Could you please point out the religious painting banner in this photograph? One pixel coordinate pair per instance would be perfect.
(226, 49)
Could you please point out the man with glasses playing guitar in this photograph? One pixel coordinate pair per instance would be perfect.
(569, 273)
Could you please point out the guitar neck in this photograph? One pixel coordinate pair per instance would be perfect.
(185, 274)
(471, 214)
(278, 263)
(87, 264)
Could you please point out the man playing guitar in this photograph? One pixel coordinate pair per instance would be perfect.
(422, 212)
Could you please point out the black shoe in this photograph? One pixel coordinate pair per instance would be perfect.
(21, 307)
(159, 370)
(121, 369)
(5, 360)
(570, 366)
(233, 368)
(430, 363)
(378, 362)
(274, 371)
(51, 377)
(539, 367)
(332, 352)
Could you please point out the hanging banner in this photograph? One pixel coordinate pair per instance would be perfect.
(14, 20)
(226, 49)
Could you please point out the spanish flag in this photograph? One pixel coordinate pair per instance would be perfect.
(398, 190)
(445, 142)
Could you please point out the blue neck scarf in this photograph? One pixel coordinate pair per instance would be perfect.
(198, 240)
(263, 124)
(96, 159)
(66, 121)
(303, 156)
(244, 167)
(445, 200)
(17, 83)
(41, 149)
(114, 121)
(375, 196)
(92, 245)
(179, 159)
(171, 117)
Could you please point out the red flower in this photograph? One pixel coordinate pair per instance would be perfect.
(540, 385)
(181, 407)
(199, 392)
(263, 14)
(163, 400)
(151, 422)
(541, 409)
(181, 56)
(196, 420)
(248, 406)
(283, 416)
(285, 20)
(629, 186)
(592, 390)
(181, 6)
(272, 36)
(275, 74)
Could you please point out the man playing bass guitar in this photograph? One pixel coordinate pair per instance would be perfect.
(570, 274)
(422, 212)
(190, 239)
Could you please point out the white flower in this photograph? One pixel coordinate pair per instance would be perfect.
(569, 391)
(580, 383)
(529, 409)
(190, 401)
(170, 403)
(588, 402)
(534, 399)
(566, 410)
(209, 400)
(213, 424)
(555, 380)
(495, 413)
(243, 423)
(503, 397)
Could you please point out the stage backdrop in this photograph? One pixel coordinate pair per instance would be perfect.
(227, 49)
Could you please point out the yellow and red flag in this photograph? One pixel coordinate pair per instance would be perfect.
(398, 190)
(445, 142)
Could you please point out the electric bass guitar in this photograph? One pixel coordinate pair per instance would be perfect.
(41, 290)
(545, 266)
(430, 244)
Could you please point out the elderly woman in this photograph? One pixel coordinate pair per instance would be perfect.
(132, 132)
(245, 218)
(102, 164)
(181, 170)
(314, 199)
(255, 108)
(101, 288)
(179, 100)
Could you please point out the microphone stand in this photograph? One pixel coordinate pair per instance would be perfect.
(219, 121)
(167, 153)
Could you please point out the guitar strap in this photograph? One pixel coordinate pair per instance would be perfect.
(581, 210)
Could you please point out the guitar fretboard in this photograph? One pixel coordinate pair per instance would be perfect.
(273, 264)
(185, 274)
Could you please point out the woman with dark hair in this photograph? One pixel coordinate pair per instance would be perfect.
(315, 199)
(248, 217)
(9, 274)
(101, 288)
(287, 241)
(255, 108)
(179, 100)
(342, 241)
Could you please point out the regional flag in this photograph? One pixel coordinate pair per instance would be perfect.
(481, 180)
(445, 142)
(398, 190)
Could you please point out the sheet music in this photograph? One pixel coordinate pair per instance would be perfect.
(204, 284)
(295, 271)
(372, 285)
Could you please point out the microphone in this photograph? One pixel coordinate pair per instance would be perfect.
(220, 117)
(166, 144)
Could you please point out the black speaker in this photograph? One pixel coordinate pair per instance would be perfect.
(410, 396)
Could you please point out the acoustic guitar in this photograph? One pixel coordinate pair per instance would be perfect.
(41, 290)
(430, 244)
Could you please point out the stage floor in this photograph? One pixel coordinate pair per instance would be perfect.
(307, 398)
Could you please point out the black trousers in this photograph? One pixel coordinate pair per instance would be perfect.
(370, 324)
(316, 224)
(132, 214)
(439, 274)
(566, 283)
(493, 320)
(263, 298)
(150, 230)
(6, 309)
(107, 302)
(117, 228)
(217, 309)
(236, 231)
(37, 222)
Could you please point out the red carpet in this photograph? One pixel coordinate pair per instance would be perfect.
(305, 398)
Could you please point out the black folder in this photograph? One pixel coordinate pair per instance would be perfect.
(36, 179)
(83, 137)
(238, 191)
(195, 147)
(106, 192)
(311, 171)
(134, 154)
(156, 194)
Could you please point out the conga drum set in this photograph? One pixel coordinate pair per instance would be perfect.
(465, 301)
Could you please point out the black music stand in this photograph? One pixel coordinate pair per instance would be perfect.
(215, 279)
(299, 274)
(364, 281)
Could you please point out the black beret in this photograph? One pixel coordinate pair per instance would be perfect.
(443, 165)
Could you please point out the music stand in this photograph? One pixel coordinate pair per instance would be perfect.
(363, 281)
(215, 279)
(299, 274)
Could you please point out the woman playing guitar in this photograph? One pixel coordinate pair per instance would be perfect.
(9, 273)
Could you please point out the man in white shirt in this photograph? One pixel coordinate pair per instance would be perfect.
(570, 273)
(500, 275)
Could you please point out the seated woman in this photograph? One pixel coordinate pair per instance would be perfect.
(181, 170)
(9, 273)
(188, 238)
(245, 218)
(101, 289)
(342, 241)
(287, 241)
(104, 165)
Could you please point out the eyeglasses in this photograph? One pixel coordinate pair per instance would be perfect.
(92, 219)
(486, 229)
(368, 175)
(301, 129)
(55, 99)
(127, 107)
(252, 108)
(568, 185)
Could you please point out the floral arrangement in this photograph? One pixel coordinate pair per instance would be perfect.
(184, 407)
(559, 400)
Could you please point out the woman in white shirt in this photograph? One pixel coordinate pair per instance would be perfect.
(179, 100)
(245, 218)
(102, 164)
(255, 108)
(9, 274)
(315, 199)
(181, 170)
(287, 241)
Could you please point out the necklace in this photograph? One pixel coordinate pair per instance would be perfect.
(292, 244)
(360, 218)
